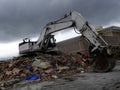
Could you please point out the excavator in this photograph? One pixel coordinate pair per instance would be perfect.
(98, 47)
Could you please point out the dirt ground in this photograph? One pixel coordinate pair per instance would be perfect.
(82, 81)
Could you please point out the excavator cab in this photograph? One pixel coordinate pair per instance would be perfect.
(49, 42)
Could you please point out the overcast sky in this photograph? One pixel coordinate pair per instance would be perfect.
(26, 18)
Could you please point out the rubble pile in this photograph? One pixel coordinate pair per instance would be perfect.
(40, 67)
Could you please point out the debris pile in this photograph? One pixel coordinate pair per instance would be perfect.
(40, 67)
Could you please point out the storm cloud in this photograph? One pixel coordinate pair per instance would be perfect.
(26, 18)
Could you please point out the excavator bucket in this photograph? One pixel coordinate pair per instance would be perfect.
(103, 63)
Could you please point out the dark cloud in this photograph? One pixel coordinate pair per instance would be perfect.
(26, 18)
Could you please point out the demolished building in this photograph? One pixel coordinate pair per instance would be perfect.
(110, 34)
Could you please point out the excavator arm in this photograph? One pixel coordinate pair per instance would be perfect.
(79, 23)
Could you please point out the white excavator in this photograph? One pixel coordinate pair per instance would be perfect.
(46, 42)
